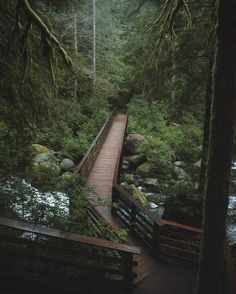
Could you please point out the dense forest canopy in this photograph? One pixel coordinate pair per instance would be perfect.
(64, 65)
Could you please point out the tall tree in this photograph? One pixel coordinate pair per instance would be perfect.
(206, 130)
(223, 115)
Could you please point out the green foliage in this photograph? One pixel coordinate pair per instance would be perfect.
(55, 204)
(74, 128)
(176, 70)
(166, 141)
(32, 110)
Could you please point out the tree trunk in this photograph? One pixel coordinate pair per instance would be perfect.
(206, 131)
(94, 42)
(76, 51)
(211, 267)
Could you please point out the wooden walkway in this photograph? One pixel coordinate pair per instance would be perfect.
(101, 178)
(151, 274)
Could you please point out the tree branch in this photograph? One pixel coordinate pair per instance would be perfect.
(48, 39)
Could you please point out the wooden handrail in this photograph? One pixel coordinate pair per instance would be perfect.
(168, 237)
(106, 262)
(82, 170)
(181, 226)
(119, 158)
(23, 226)
(162, 236)
(135, 202)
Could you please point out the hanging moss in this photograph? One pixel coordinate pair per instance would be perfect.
(49, 41)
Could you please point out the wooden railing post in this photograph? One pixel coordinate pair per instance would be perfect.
(133, 217)
(122, 149)
(156, 239)
(114, 202)
(229, 282)
(113, 261)
(128, 274)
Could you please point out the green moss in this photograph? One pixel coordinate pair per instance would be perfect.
(138, 195)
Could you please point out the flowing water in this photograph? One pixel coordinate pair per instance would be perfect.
(31, 204)
(157, 202)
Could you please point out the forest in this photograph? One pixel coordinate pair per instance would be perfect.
(117, 146)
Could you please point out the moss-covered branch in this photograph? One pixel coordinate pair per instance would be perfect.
(49, 41)
(164, 24)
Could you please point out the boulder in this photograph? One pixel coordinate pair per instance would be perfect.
(138, 195)
(179, 164)
(179, 173)
(137, 160)
(38, 149)
(45, 166)
(147, 169)
(197, 165)
(67, 176)
(129, 178)
(153, 205)
(133, 143)
(125, 186)
(65, 180)
(67, 164)
(157, 198)
(125, 164)
(152, 184)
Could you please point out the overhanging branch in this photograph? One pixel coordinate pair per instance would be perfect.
(49, 41)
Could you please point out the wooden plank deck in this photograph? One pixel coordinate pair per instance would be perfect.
(101, 178)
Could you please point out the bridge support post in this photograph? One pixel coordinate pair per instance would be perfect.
(156, 240)
(128, 274)
(133, 218)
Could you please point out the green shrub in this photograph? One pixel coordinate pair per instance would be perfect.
(166, 141)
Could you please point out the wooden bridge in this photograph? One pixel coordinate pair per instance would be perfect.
(103, 262)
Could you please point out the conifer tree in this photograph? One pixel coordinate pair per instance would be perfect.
(223, 115)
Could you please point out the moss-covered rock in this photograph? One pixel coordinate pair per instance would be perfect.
(67, 176)
(147, 169)
(138, 195)
(152, 184)
(129, 178)
(38, 149)
(44, 168)
(179, 173)
(137, 160)
(133, 143)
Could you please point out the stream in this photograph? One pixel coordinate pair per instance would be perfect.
(31, 204)
(157, 204)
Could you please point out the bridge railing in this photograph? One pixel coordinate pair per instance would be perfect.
(85, 165)
(160, 236)
(165, 237)
(55, 255)
(136, 217)
(116, 178)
